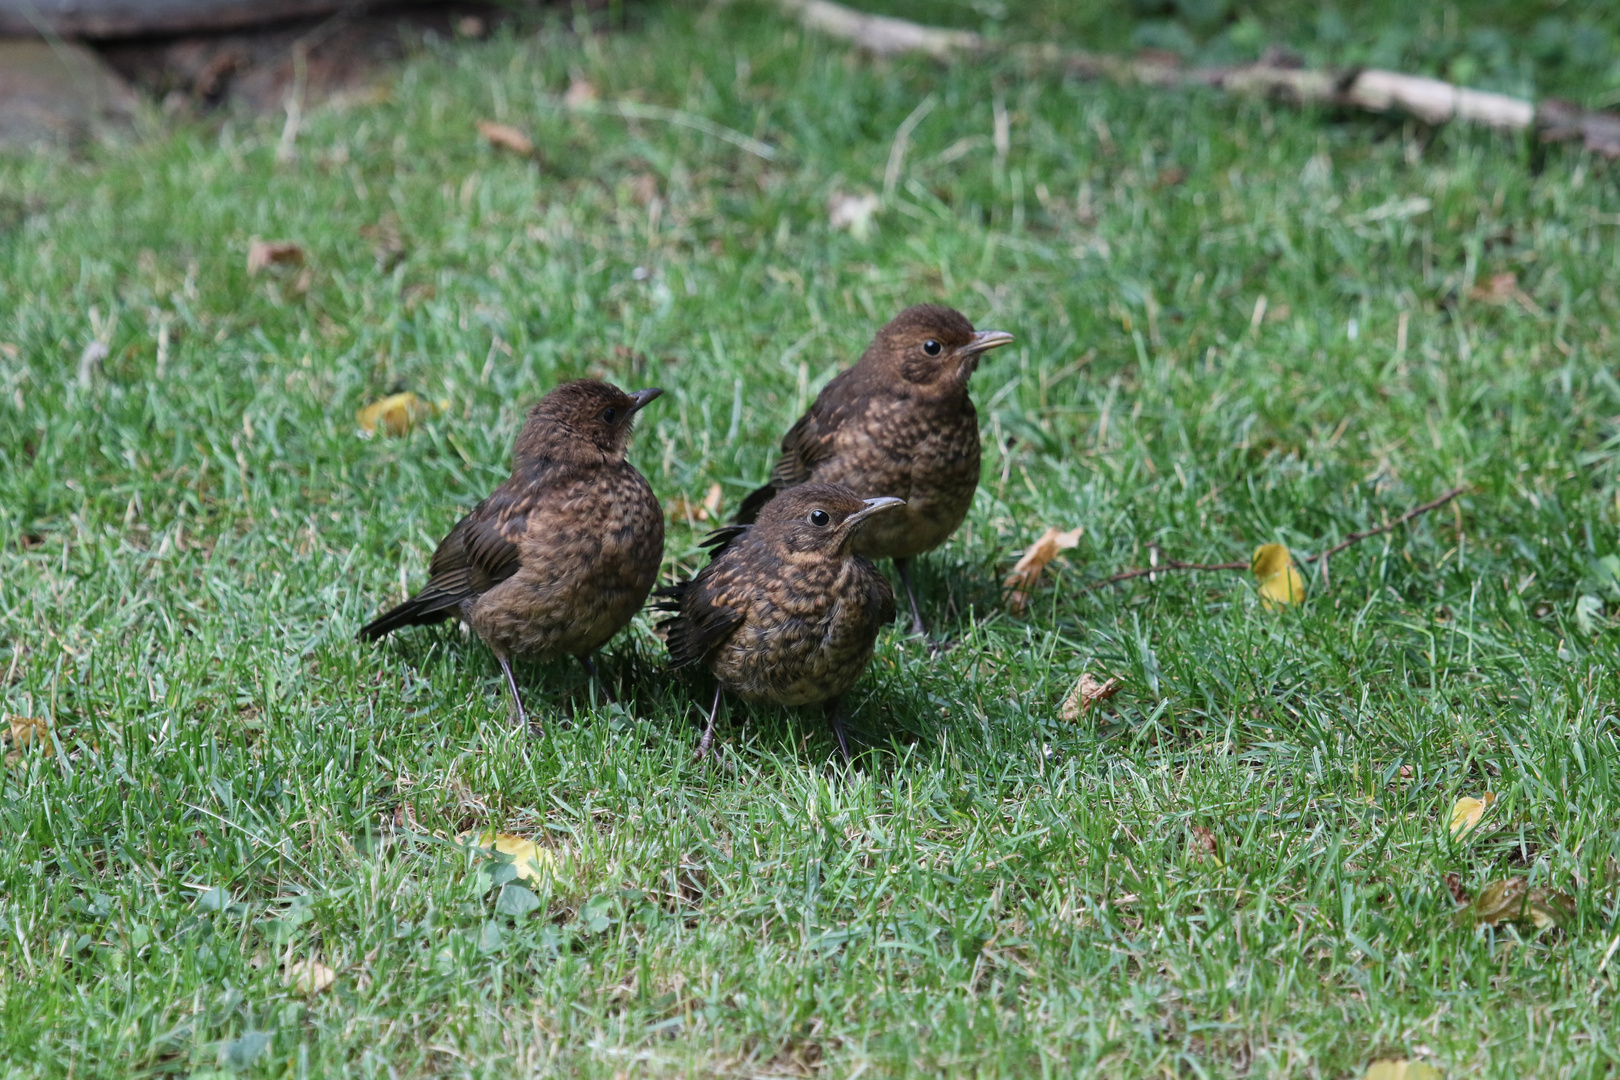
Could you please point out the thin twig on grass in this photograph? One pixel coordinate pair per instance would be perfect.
(1321, 556)
(1431, 100)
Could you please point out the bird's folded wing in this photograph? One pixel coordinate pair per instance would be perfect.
(807, 443)
(480, 551)
(707, 609)
(810, 441)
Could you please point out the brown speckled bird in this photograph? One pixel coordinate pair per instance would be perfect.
(899, 423)
(785, 613)
(563, 554)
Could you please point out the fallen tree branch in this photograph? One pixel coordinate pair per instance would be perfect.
(1431, 100)
(1321, 556)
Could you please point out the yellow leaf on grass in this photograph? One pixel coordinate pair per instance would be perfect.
(1027, 571)
(506, 137)
(1468, 812)
(1086, 693)
(396, 414)
(1280, 581)
(21, 732)
(532, 861)
(1401, 1069)
(309, 977)
(711, 501)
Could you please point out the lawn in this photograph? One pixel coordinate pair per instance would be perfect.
(1237, 866)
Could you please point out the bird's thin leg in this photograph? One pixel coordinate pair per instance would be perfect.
(511, 684)
(835, 714)
(590, 669)
(707, 739)
(903, 566)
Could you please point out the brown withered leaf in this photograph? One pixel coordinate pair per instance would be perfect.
(387, 243)
(1205, 842)
(263, 254)
(1086, 693)
(644, 188)
(309, 977)
(1455, 886)
(581, 91)
(21, 732)
(1514, 900)
(683, 509)
(1498, 290)
(506, 137)
(1021, 582)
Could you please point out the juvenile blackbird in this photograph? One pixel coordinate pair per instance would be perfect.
(898, 423)
(563, 554)
(785, 612)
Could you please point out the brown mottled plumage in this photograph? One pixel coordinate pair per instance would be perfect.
(563, 554)
(899, 423)
(785, 612)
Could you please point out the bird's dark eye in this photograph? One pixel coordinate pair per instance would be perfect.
(819, 517)
(609, 415)
(931, 347)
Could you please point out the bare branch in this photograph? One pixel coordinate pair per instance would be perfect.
(1430, 100)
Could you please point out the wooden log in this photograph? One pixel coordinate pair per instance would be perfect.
(130, 18)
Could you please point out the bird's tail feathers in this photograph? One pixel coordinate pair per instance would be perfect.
(422, 609)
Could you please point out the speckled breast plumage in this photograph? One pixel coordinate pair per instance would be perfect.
(927, 456)
(807, 643)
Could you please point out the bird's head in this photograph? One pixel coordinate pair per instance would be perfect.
(816, 520)
(583, 421)
(933, 349)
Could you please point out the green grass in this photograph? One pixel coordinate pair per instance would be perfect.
(188, 543)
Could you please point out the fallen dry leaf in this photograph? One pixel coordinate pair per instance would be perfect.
(263, 254)
(1454, 886)
(644, 188)
(1086, 693)
(1401, 1069)
(1280, 582)
(25, 731)
(1205, 842)
(581, 91)
(396, 413)
(683, 509)
(506, 137)
(1513, 900)
(532, 861)
(1028, 569)
(852, 212)
(1468, 812)
(1498, 290)
(309, 977)
(387, 242)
